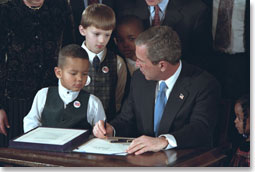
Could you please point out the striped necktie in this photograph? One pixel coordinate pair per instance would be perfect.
(223, 28)
(96, 63)
(156, 20)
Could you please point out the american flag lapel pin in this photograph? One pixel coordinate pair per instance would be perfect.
(76, 104)
(181, 96)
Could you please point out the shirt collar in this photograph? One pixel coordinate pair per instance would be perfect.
(86, 2)
(100, 55)
(130, 61)
(66, 95)
(162, 6)
(172, 79)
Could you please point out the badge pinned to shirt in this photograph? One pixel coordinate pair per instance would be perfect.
(181, 96)
(76, 104)
(105, 69)
(88, 81)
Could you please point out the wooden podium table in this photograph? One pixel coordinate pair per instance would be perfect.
(173, 158)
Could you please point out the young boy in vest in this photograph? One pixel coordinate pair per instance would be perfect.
(108, 72)
(66, 106)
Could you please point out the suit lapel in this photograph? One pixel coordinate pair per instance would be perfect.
(141, 8)
(175, 101)
(172, 14)
(108, 2)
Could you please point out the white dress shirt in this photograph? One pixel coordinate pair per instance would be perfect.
(237, 23)
(162, 6)
(170, 84)
(86, 2)
(95, 110)
(121, 72)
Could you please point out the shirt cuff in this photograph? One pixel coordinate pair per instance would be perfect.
(171, 141)
(114, 132)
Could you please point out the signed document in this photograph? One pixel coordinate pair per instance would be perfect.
(54, 136)
(50, 139)
(105, 146)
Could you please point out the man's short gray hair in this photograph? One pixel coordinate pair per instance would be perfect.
(162, 43)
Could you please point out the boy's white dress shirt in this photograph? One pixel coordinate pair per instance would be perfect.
(121, 72)
(95, 110)
(131, 64)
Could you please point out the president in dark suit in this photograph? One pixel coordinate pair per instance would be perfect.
(188, 95)
(191, 19)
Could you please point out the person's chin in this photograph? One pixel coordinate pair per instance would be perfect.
(128, 54)
(150, 3)
(146, 77)
(100, 48)
(76, 89)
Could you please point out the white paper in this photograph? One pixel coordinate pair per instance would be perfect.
(103, 146)
(53, 136)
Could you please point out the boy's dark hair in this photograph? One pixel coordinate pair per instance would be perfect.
(127, 19)
(71, 51)
(100, 16)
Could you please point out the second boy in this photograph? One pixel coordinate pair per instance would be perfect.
(107, 72)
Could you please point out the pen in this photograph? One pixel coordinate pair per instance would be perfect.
(105, 124)
(122, 141)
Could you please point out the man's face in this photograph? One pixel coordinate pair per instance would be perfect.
(96, 39)
(153, 2)
(150, 71)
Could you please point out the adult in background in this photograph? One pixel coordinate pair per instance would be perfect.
(170, 104)
(231, 34)
(31, 34)
(191, 19)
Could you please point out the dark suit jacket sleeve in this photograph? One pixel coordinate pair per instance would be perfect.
(124, 124)
(190, 120)
(204, 114)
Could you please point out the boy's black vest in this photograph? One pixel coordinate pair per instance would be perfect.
(104, 82)
(73, 116)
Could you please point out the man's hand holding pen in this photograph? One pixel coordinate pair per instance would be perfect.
(103, 129)
(142, 144)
